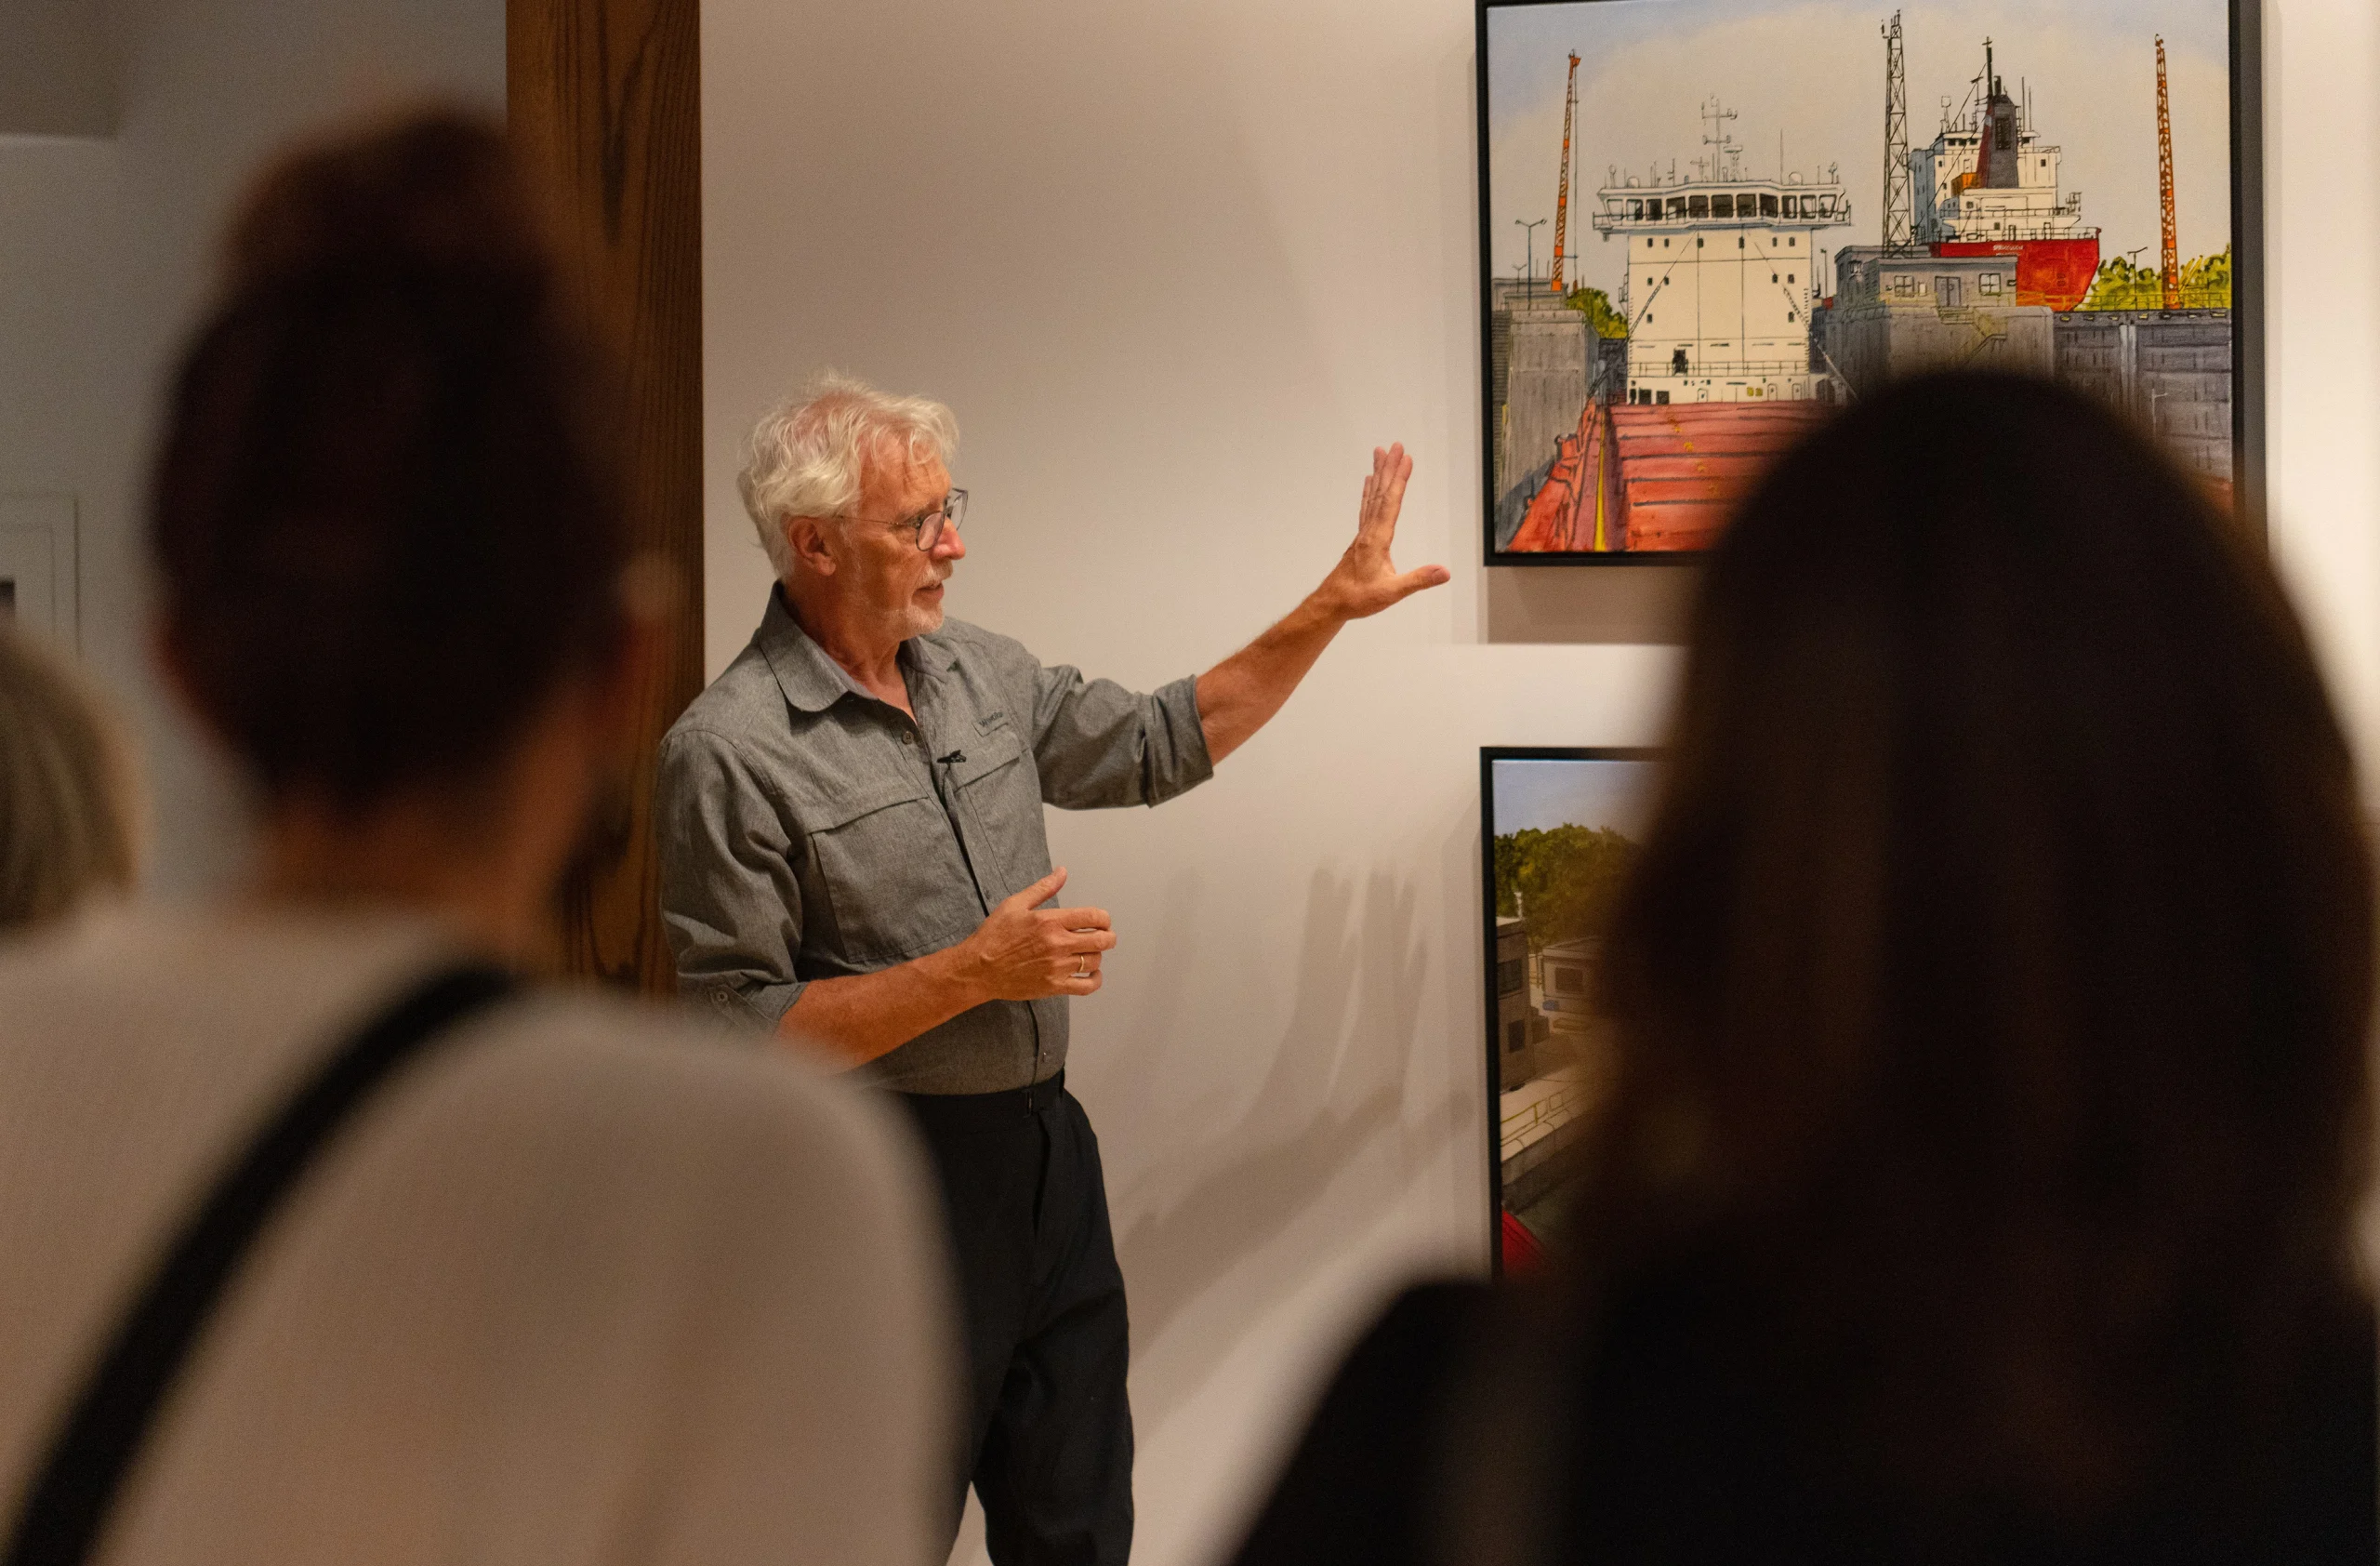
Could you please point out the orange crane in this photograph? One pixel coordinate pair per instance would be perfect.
(2173, 270)
(1562, 202)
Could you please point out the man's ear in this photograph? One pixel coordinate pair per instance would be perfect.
(807, 537)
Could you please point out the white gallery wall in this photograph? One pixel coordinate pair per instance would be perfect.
(1179, 267)
(2321, 136)
(107, 250)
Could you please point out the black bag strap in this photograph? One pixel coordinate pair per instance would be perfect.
(66, 1504)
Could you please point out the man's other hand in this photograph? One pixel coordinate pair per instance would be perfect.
(1366, 580)
(1025, 951)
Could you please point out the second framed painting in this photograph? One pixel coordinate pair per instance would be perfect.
(1704, 223)
(1559, 829)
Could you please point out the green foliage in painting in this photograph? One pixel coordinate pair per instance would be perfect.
(1596, 306)
(1560, 882)
(2206, 285)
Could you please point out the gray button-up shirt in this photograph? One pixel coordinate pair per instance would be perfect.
(808, 829)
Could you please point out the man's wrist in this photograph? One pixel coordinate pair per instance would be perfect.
(1323, 610)
(953, 978)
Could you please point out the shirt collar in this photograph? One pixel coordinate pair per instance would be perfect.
(811, 679)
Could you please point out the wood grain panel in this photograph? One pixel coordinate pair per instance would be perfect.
(605, 103)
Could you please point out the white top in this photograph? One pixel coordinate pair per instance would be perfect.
(593, 1285)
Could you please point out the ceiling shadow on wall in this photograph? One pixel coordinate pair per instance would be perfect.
(1637, 605)
(1334, 1093)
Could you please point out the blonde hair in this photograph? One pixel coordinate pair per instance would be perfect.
(803, 457)
(67, 789)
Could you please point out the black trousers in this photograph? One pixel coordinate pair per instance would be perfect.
(1048, 1443)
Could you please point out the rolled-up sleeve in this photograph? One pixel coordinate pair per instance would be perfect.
(729, 903)
(1098, 745)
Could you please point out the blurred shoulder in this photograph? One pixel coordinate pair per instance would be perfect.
(655, 1076)
(1359, 1486)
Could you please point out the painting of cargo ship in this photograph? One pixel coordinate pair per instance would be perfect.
(1706, 224)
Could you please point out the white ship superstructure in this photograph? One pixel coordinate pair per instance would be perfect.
(1721, 273)
(1989, 178)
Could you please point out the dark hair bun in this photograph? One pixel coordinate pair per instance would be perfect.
(440, 193)
(384, 523)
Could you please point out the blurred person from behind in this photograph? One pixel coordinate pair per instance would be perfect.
(1991, 1105)
(68, 800)
(589, 1282)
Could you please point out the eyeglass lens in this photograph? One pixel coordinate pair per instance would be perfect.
(953, 514)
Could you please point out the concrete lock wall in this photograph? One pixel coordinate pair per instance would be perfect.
(1545, 391)
(1880, 342)
(2172, 371)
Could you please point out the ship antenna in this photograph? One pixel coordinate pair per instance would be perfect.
(1896, 196)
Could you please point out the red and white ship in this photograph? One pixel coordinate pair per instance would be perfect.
(1987, 186)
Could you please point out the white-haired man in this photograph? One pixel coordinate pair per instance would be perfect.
(852, 851)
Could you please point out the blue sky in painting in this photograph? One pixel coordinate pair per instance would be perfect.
(1544, 794)
(1807, 79)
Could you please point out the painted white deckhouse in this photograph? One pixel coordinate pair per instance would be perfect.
(2017, 198)
(1721, 273)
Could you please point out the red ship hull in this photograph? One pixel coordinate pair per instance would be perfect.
(2056, 273)
(1647, 478)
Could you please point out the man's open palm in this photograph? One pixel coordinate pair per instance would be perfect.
(1366, 580)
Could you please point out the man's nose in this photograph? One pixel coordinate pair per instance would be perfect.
(950, 546)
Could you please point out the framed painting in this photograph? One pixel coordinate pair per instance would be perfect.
(1558, 830)
(1705, 223)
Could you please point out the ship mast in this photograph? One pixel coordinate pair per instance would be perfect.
(1562, 201)
(2172, 273)
(1895, 208)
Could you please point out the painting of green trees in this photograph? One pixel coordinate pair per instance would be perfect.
(1560, 882)
(1595, 305)
(2206, 285)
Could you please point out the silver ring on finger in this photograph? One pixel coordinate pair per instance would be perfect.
(1082, 967)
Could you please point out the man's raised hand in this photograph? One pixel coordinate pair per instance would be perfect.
(1023, 951)
(1366, 580)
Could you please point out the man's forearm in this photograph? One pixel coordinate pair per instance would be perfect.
(1240, 695)
(865, 1015)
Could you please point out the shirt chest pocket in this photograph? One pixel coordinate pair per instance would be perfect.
(997, 793)
(893, 877)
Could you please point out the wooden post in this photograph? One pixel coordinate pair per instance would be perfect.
(605, 104)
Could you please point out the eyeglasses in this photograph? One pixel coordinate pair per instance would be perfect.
(951, 513)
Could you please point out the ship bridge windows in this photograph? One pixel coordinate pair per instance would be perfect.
(1722, 206)
(1767, 204)
(1636, 210)
(1698, 206)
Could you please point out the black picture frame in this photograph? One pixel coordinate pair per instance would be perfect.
(1491, 1028)
(2249, 472)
